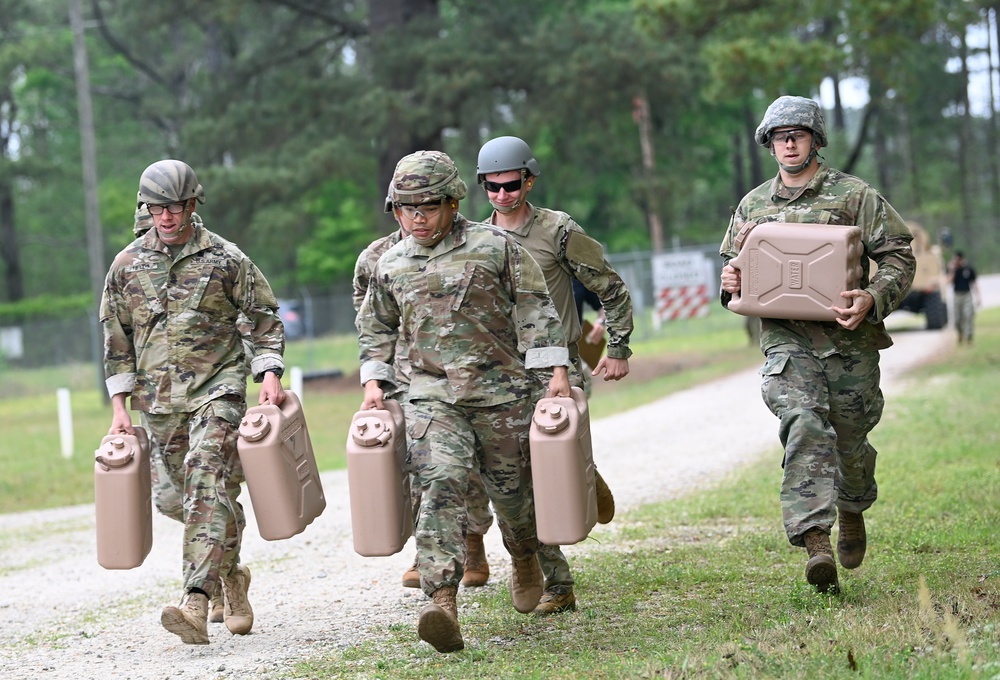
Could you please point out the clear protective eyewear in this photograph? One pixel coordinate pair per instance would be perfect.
(426, 210)
(172, 208)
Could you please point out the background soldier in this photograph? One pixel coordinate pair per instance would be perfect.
(170, 311)
(821, 379)
(507, 170)
(463, 298)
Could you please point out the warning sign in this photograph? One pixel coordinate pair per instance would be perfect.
(681, 282)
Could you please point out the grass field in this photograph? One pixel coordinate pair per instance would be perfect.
(708, 586)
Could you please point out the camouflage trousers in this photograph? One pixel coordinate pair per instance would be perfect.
(826, 407)
(965, 315)
(446, 444)
(196, 476)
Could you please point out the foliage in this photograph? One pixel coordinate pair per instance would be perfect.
(293, 115)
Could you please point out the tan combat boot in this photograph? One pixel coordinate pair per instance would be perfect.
(238, 614)
(605, 501)
(411, 578)
(526, 580)
(555, 600)
(189, 621)
(438, 623)
(821, 570)
(852, 541)
(216, 605)
(477, 569)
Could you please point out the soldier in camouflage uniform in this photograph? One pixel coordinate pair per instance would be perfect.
(170, 311)
(480, 333)
(821, 379)
(476, 570)
(507, 170)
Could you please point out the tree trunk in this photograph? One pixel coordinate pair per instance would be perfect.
(753, 150)
(10, 253)
(965, 175)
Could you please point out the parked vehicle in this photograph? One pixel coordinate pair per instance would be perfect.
(926, 296)
(290, 312)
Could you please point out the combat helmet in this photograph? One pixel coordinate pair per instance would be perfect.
(426, 177)
(169, 181)
(143, 220)
(791, 111)
(503, 154)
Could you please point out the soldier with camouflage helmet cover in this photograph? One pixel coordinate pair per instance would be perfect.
(481, 336)
(507, 170)
(476, 571)
(172, 305)
(821, 379)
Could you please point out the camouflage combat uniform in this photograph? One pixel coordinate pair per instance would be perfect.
(477, 501)
(820, 379)
(480, 333)
(171, 341)
(563, 250)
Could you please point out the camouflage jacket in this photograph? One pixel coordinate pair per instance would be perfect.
(473, 314)
(834, 197)
(171, 335)
(363, 269)
(563, 250)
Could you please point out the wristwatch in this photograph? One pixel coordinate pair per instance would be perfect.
(277, 371)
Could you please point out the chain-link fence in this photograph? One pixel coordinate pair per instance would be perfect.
(53, 342)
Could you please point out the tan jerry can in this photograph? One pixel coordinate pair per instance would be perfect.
(796, 271)
(378, 482)
(280, 468)
(562, 469)
(123, 500)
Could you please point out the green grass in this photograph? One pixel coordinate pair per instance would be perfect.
(707, 586)
(34, 475)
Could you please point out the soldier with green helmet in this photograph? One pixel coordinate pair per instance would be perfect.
(171, 310)
(482, 338)
(821, 379)
(507, 170)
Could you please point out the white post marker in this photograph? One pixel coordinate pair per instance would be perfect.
(65, 422)
(297, 382)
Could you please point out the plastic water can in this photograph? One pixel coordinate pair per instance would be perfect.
(796, 271)
(378, 483)
(280, 468)
(123, 500)
(562, 467)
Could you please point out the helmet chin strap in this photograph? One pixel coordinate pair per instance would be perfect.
(435, 238)
(796, 169)
(508, 208)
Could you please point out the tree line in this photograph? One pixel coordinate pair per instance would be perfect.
(641, 114)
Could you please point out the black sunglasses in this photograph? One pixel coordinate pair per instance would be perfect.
(510, 187)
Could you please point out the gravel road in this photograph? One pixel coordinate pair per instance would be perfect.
(64, 617)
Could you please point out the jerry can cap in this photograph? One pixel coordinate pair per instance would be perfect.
(370, 431)
(551, 418)
(114, 453)
(254, 427)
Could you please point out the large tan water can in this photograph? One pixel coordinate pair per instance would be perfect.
(562, 467)
(280, 468)
(123, 500)
(796, 271)
(377, 480)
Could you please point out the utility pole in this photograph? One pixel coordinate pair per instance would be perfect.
(95, 239)
(640, 114)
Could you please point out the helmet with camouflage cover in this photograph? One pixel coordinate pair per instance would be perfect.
(169, 181)
(503, 154)
(143, 220)
(426, 177)
(788, 111)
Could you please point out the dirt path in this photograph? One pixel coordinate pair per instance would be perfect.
(64, 617)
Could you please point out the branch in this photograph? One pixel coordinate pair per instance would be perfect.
(861, 140)
(120, 47)
(348, 28)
